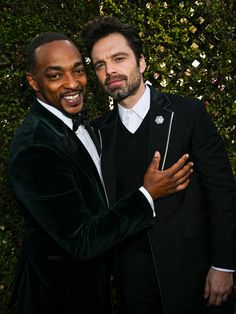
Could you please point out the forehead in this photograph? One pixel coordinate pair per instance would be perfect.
(111, 45)
(57, 52)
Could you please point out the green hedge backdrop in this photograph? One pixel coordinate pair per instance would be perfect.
(189, 47)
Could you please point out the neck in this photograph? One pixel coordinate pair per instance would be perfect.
(132, 100)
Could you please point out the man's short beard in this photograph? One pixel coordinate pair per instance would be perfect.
(119, 94)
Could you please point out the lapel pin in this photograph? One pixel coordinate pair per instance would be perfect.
(159, 119)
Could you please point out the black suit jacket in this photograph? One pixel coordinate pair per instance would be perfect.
(196, 227)
(68, 225)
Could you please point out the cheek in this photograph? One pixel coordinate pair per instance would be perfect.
(53, 88)
(84, 81)
(100, 76)
(52, 94)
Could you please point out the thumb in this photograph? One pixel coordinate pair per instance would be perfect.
(155, 162)
(206, 290)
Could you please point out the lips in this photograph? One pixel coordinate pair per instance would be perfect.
(114, 83)
(115, 80)
(72, 98)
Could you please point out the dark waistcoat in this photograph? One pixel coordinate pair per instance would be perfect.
(131, 165)
(131, 157)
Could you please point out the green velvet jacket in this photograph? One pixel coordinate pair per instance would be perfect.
(69, 228)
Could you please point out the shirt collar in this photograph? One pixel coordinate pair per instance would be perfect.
(57, 113)
(140, 108)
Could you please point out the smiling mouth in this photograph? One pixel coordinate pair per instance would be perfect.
(73, 98)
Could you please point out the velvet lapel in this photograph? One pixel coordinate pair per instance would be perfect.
(108, 133)
(67, 138)
(161, 118)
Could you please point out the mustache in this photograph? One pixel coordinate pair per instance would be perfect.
(76, 90)
(118, 77)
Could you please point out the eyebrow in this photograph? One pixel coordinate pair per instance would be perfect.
(120, 53)
(59, 68)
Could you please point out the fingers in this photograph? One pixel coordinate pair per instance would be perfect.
(175, 169)
(183, 174)
(226, 295)
(178, 165)
(155, 162)
(218, 287)
(180, 179)
(182, 186)
(207, 290)
(216, 300)
(163, 183)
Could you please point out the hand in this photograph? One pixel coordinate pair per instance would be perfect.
(218, 286)
(163, 183)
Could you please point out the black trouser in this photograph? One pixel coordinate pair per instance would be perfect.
(137, 285)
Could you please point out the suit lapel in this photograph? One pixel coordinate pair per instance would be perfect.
(161, 119)
(67, 139)
(108, 133)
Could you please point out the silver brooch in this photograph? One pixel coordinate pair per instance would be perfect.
(159, 119)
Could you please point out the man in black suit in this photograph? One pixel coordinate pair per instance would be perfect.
(54, 169)
(185, 263)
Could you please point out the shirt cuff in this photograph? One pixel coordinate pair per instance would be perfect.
(223, 269)
(149, 198)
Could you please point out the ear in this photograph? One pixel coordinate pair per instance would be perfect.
(142, 63)
(32, 82)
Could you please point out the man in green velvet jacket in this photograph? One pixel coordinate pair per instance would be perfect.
(54, 169)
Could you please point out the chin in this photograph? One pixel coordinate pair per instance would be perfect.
(76, 110)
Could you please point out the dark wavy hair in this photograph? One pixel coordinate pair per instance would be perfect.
(106, 25)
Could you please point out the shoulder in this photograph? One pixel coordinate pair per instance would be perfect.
(176, 101)
(38, 131)
(106, 118)
(184, 100)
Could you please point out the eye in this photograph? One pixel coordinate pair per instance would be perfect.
(99, 66)
(54, 76)
(79, 71)
(119, 59)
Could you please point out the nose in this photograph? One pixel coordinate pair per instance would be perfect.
(110, 68)
(71, 81)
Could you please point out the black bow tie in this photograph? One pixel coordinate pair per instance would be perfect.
(79, 118)
(82, 118)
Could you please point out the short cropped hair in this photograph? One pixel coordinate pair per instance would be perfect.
(38, 41)
(106, 25)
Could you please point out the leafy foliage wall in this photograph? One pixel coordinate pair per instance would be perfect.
(189, 48)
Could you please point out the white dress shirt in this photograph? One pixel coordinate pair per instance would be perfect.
(132, 118)
(82, 134)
